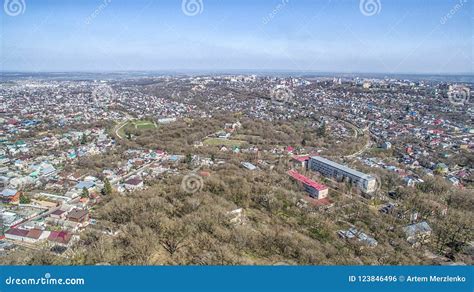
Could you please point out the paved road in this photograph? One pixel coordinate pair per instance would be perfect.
(45, 214)
(366, 146)
(117, 128)
(120, 126)
(132, 173)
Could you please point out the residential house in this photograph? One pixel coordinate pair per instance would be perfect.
(89, 185)
(236, 216)
(386, 145)
(301, 161)
(60, 237)
(314, 189)
(133, 184)
(31, 236)
(418, 233)
(58, 214)
(3, 182)
(353, 233)
(248, 165)
(10, 195)
(78, 216)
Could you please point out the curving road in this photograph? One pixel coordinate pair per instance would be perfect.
(367, 145)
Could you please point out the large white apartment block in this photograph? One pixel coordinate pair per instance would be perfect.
(364, 182)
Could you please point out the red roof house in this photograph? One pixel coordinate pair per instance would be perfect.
(60, 237)
(315, 190)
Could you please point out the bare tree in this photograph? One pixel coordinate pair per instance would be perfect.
(173, 235)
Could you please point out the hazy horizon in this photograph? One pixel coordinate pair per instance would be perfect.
(349, 37)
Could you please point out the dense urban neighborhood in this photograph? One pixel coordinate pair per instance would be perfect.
(235, 169)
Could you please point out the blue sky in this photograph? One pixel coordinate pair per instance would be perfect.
(405, 36)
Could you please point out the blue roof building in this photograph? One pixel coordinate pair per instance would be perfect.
(85, 184)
